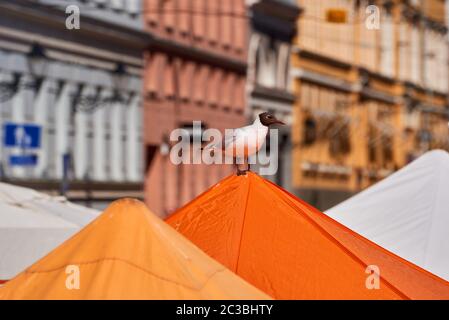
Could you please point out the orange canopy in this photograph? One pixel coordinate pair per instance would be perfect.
(290, 250)
(128, 253)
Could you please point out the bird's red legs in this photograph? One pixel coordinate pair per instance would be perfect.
(244, 171)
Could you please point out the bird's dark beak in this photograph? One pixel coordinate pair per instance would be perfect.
(279, 122)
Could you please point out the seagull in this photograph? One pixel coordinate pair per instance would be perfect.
(246, 141)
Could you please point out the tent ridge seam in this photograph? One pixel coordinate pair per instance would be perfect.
(133, 265)
(243, 226)
(339, 244)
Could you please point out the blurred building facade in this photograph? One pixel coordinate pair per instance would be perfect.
(82, 88)
(272, 30)
(370, 99)
(195, 69)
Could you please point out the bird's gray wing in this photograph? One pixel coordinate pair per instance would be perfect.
(225, 142)
(229, 139)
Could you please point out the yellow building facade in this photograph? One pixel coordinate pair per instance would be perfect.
(371, 81)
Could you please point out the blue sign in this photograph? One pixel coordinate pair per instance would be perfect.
(23, 160)
(25, 136)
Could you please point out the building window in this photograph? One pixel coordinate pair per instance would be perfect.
(310, 131)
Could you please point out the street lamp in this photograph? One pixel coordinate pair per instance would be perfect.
(92, 102)
(9, 88)
(119, 76)
(37, 62)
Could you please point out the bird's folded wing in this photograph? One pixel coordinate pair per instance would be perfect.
(230, 140)
(227, 140)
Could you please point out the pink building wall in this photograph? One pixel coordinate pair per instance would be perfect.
(193, 85)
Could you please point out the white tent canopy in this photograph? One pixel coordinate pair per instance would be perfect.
(32, 224)
(406, 213)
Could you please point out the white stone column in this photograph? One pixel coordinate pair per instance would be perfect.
(140, 145)
(41, 105)
(132, 142)
(63, 114)
(18, 117)
(107, 146)
(100, 141)
(80, 141)
(6, 116)
(116, 143)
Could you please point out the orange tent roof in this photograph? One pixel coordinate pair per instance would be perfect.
(290, 250)
(129, 253)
